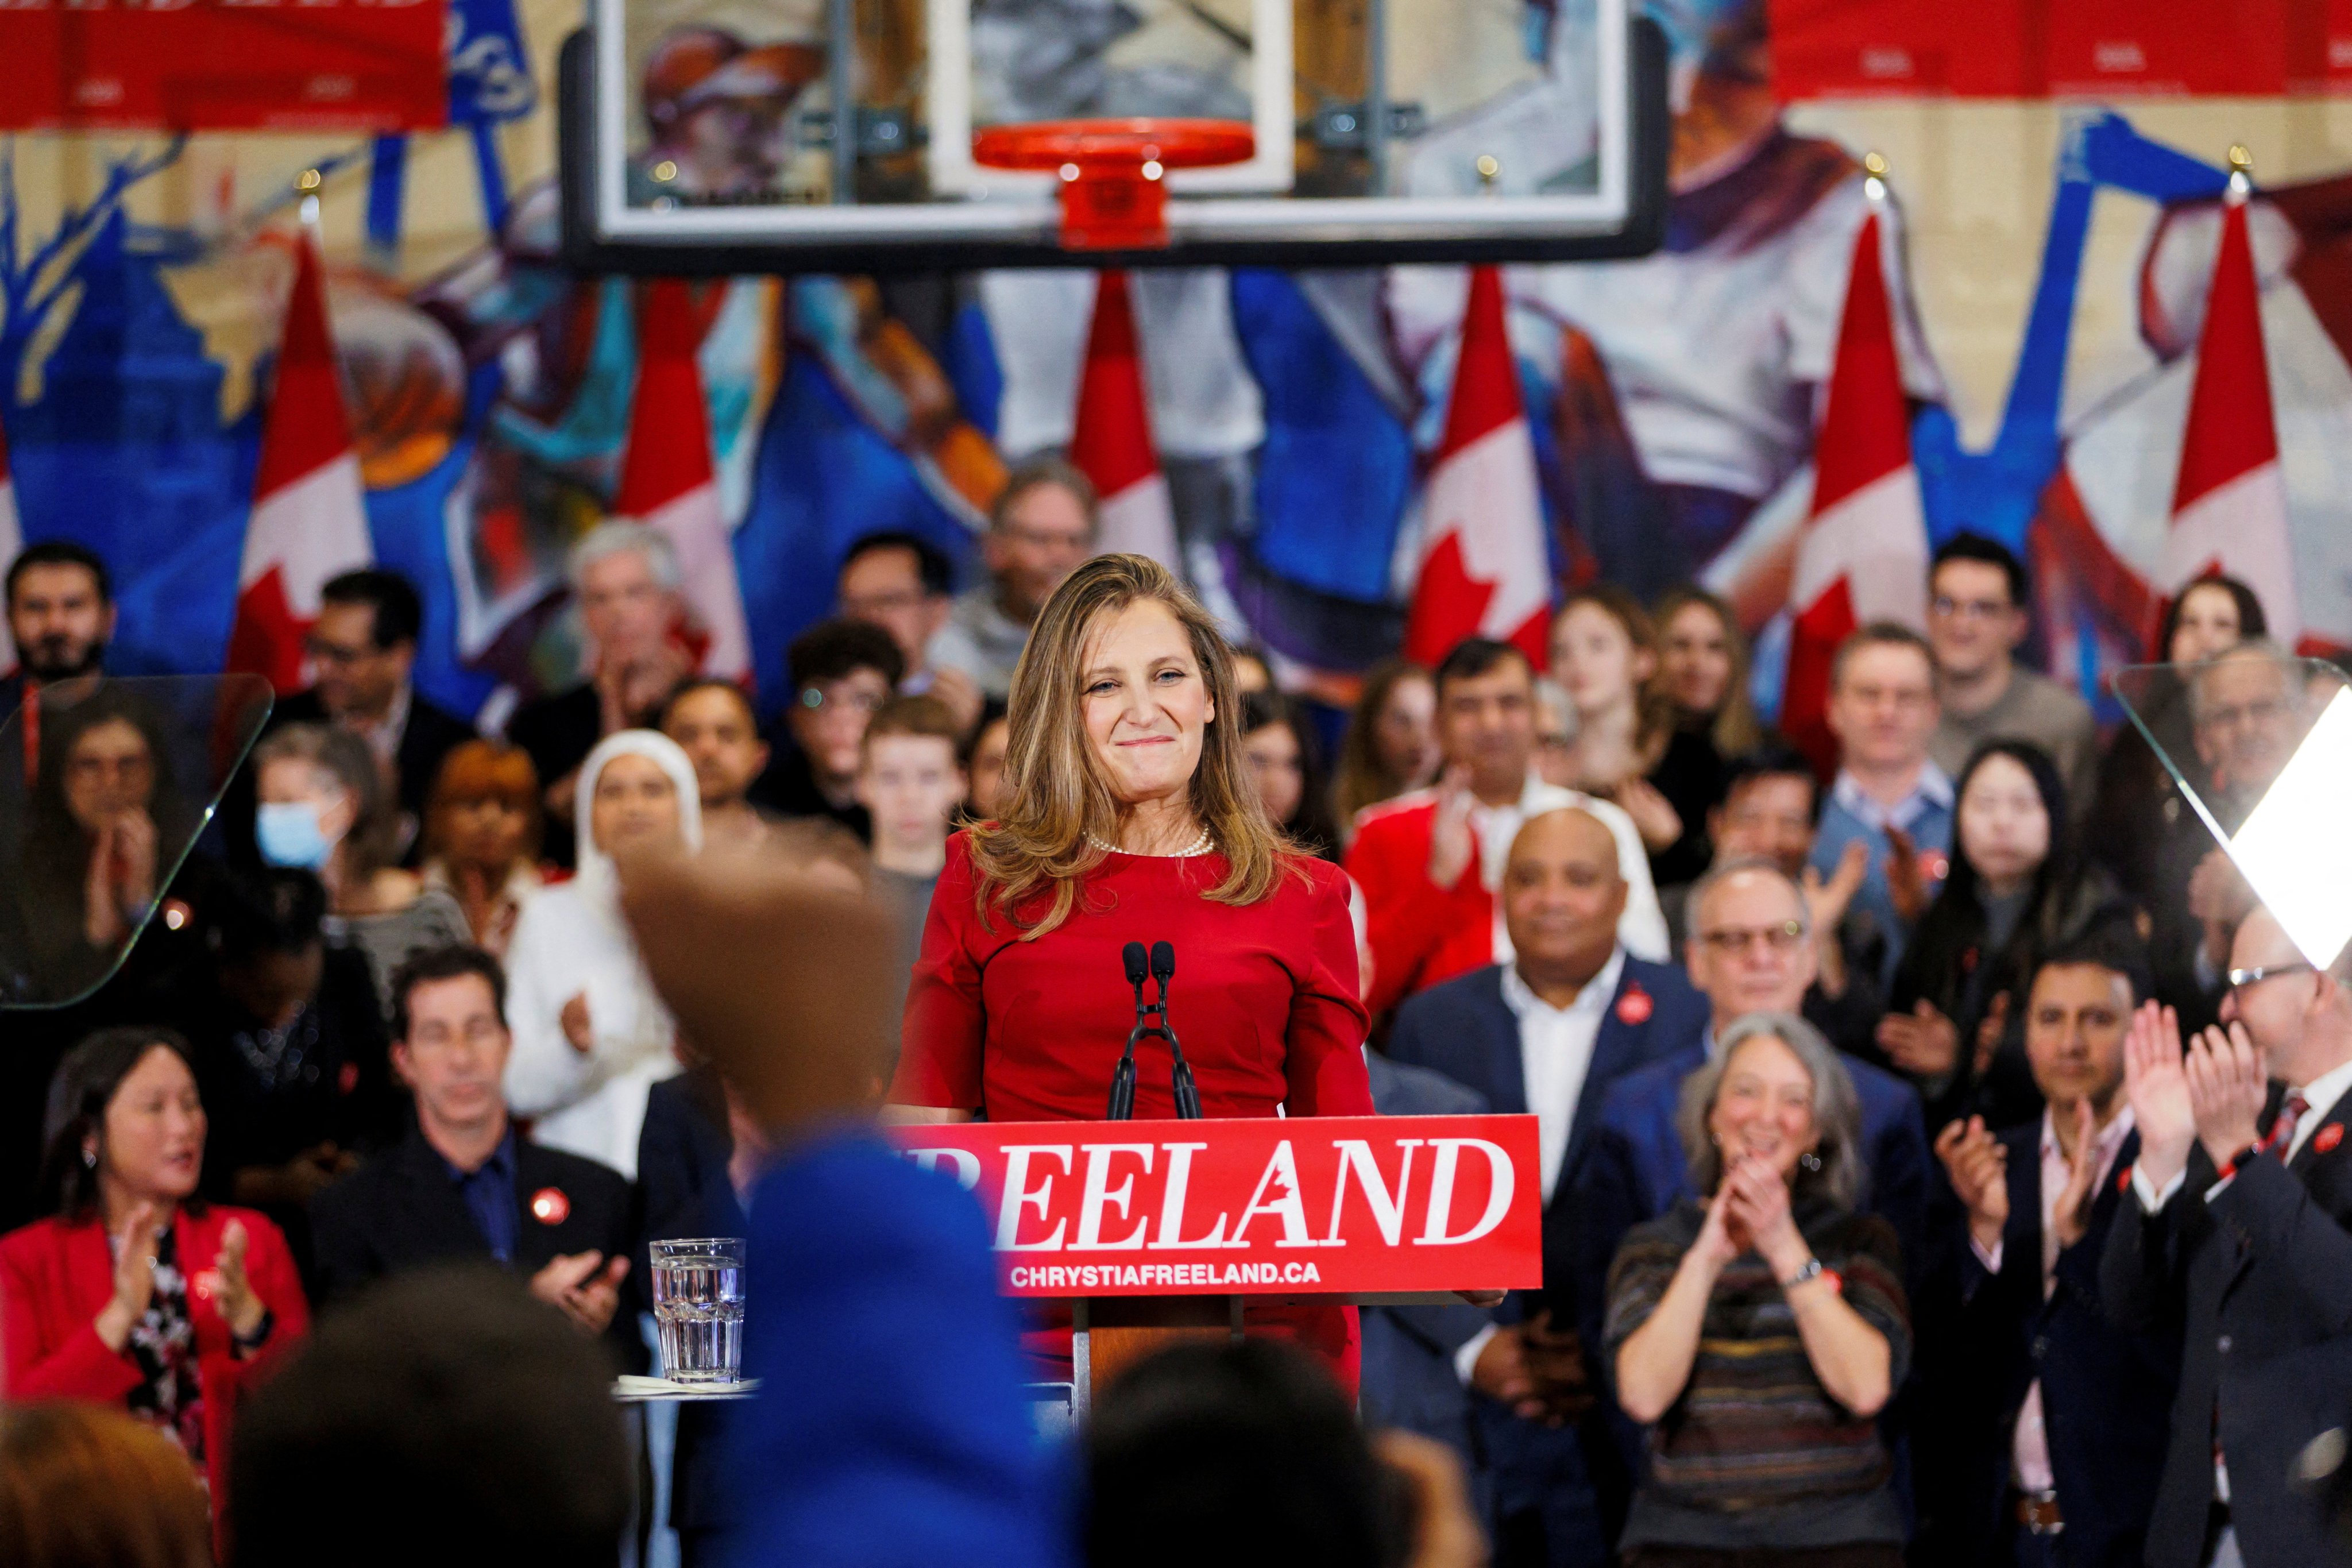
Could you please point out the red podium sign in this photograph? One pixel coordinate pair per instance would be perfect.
(1305, 1206)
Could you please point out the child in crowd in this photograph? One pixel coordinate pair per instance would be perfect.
(908, 778)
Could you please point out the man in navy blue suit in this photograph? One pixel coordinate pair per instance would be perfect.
(1751, 951)
(1547, 1033)
(2050, 1426)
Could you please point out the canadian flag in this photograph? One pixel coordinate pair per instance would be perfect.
(309, 515)
(667, 480)
(1862, 556)
(1111, 441)
(1484, 570)
(12, 540)
(2228, 504)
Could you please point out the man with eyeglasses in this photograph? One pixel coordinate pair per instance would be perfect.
(1751, 951)
(1042, 529)
(842, 672)
(2239, 1239)
(1547, 1032)
(362, 651)
(2247, 714)
(904, 583)
(1979, 614)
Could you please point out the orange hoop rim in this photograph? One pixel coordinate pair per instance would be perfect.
(1081, 147)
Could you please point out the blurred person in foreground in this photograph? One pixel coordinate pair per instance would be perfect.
(1246, 1453)
(445, 1417)
(461, 1183)
(842, 673)
(1129, 810)
(1044, 524)
(905, 585)
(1758, 1328)
(2049, 1425)
(1390, 744)
(1889, 796)
(482, 829)
(135, 1293)
(855, 1450)
(625, 579)
(84, 1487)
(589, 1036)
(2237, 1237)
(1431, 862)
(712, 723)
(1549, 1033)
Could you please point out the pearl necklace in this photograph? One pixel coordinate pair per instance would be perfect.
(1200, 846)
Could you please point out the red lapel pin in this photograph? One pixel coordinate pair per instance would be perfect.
(347, 1078)
(2328, 1137)
(2123, 1180)
(1634, 1007)
(550, 1206)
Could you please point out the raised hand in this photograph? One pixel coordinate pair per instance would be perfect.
(240, 1307)
(1759, 1205)
(2074, 1216)
(1923, 1043)
(1989, 1029)
(1827, 901)
(1979, 1168)
(1654, 816)
(1716, 1246)
(1906, 884)
(134, 1274)
(2157, 1085)
(2227, 1086)
(578, 1027)
(1451, 842)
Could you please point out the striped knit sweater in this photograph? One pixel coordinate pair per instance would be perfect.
(1754, 1428)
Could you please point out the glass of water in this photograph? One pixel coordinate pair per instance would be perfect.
(699, 1308)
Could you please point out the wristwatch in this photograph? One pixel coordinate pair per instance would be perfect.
(1812, 1269)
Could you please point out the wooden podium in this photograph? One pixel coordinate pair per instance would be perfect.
(1156, 1233)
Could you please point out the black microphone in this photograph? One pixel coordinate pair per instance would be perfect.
(1188, 1094)
(1122, 1077)
(1163, 962)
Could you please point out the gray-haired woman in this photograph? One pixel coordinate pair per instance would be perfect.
(1757, 1333)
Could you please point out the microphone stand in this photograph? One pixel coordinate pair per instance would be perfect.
(1152, 1021)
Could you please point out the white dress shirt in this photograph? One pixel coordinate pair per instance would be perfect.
(1555, 1059)
(1641, 930)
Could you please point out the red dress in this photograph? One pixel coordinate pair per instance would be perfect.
(1264, 1000)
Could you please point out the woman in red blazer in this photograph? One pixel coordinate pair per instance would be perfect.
(135, 1293)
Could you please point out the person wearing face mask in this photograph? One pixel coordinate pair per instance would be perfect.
(135, 1293)
(2136, 805)
(482, 835)
(589, 1036)
(323, 805)
(1127, 812)
(1758, 1328)
(2017, 889)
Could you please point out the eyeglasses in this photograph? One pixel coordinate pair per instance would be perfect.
(1733, 940)
(2241, 978)
(1970, 609)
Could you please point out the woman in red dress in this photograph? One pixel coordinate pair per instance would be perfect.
(1129, 815)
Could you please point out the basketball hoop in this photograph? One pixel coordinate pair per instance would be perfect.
(1113, 172)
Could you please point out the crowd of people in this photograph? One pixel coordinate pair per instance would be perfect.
(1938, 1155)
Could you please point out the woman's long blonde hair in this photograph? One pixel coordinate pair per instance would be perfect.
(1055, 799)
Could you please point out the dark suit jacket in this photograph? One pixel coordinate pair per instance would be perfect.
(2257, 1279)
(1464, 1030)
(558, 732)
(2105, 1394)
(401, 1210)
(1409, 1379)
(433, 732)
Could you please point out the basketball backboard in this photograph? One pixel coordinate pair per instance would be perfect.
(729, 136)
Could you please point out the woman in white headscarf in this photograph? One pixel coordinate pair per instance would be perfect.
(589, 1036)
